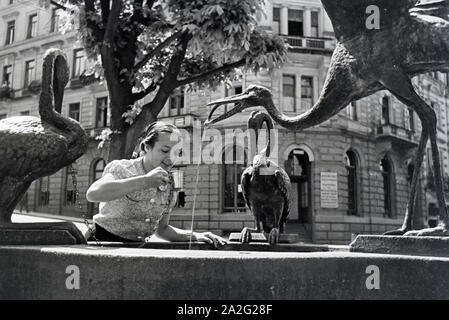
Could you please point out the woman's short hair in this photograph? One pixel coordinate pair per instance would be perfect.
(152, 133)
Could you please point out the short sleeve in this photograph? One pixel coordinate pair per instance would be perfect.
(116, 169)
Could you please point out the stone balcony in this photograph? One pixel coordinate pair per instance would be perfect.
(398, 135)
(311, 45)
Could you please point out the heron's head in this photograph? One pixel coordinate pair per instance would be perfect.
(252, 97)
(260, 161)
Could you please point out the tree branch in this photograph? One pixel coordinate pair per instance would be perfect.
(210, 73)
(169, 83)
(157, 50)
(58, 5)
(140, 95)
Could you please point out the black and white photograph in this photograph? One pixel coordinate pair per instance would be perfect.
(224, 155)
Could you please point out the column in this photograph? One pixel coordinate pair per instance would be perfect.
(307, 22)
(284, 21)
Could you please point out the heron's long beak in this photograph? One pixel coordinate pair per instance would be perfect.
(240, 105)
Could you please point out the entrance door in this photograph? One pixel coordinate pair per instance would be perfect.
(298, 168)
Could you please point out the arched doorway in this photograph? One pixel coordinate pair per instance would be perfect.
(298, 167)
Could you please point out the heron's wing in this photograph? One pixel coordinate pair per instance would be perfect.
(246, 180)
(349, 17)
(27, 148)
(285, 186)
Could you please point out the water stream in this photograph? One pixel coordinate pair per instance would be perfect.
(196, 184)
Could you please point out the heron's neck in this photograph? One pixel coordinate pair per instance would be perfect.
(51, 96)
(293, 123)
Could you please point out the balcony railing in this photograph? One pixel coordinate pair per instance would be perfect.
(397, 134)
(313, 44)
(183, 121)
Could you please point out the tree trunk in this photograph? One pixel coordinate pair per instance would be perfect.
(120, 98)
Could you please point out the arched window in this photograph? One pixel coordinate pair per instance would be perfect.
(386, 169)
(352, 168)
(97, 170)
(96, 173)
(234, 163)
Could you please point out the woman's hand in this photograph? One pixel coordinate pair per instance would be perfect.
(156, 178)
(209, 237)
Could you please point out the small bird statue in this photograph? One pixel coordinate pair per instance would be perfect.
(32, 147)
(266, 187)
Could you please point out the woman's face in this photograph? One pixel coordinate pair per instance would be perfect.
(160, 154)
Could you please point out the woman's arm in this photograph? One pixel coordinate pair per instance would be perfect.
(109, 188)
(170, 233)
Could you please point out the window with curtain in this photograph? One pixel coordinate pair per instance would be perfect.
(306, 93)
(289, 92)
(411, 119)
(79, 62)
(30, 69)
(10, 32)
(277, 20)
(177, 103)
(54, 27)
(295, 23)
(32, 26)
(101, 117)
(315, 24)
(352, 111)
(74, 111)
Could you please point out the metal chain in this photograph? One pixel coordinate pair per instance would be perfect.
(78, 200)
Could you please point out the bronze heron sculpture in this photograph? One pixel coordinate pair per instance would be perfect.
(31, 147)
(265, 186)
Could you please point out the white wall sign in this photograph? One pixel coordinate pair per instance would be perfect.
(329, 190)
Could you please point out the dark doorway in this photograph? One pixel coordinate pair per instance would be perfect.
(298, 167)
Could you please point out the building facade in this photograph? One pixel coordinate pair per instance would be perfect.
(349, 175)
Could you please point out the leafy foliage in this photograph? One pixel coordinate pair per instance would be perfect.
(221, 32)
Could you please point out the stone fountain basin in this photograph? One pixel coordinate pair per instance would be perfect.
(171, 271)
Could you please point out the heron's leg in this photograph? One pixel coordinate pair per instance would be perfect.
(400, 85)
(273, 236)
(417, 163)
(245, 234)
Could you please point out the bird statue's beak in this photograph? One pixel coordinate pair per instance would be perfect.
(240, 105)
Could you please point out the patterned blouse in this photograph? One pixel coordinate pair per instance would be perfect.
(136, 215)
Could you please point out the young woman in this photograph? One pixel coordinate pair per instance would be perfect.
(135, 195)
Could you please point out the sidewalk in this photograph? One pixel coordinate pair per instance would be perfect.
(32, 217)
